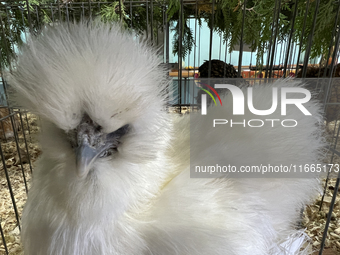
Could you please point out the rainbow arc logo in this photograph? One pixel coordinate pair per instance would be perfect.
(208, 92)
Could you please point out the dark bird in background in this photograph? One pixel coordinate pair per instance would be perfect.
(114, 174)
(219, 69)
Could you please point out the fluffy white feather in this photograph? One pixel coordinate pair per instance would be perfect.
(141, 200)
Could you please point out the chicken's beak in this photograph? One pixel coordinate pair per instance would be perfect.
(86, 155)
(92, 144)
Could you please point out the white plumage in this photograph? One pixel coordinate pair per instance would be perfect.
(133, 194)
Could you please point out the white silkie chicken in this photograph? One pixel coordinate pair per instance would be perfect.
(114, 176)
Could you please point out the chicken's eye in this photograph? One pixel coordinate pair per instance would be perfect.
(113, 140)
(108, 152)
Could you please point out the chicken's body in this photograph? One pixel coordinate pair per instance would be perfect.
(137, 197)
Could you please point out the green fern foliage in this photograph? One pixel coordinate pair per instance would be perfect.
(227, 20)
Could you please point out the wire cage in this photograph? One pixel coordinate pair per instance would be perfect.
(250, 40)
